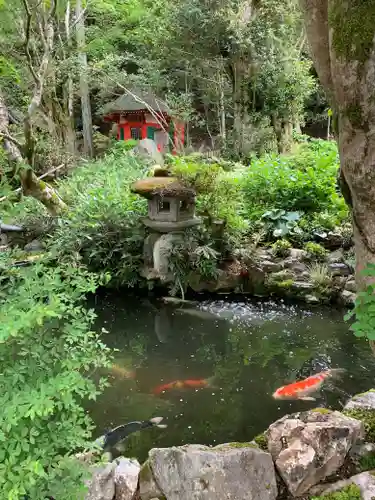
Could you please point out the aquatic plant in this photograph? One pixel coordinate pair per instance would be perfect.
(351, 492)
(47, 352)
(281, 248)
(315, 251)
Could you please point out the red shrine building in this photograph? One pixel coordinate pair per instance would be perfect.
(144, 116)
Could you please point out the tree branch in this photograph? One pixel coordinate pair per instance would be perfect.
(27, 39)
(10, 138)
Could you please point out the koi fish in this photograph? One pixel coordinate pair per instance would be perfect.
(122, 372)
(183, 384)
(113, 437)
(304, 388)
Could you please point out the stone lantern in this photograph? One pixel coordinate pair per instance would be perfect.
(171, 210)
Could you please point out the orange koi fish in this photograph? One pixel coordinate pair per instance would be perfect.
(304, 388)
(183, 384)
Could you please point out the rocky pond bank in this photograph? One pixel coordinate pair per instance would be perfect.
(314, 454)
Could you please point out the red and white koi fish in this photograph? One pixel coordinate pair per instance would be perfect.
(304, 388)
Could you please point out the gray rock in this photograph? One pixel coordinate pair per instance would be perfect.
(309, 446)
(101, 486)
(148, 489)
(302, 287)
(365, 482)
(126, 478)
(348, 298)
(195, 472)
(351, 285)
(34, 246)
(361, 450)
(148, 149)
(298, 254)
(336, 256)
(312, 299)
(284, 274)
(339, 269)
(365, 401)
(295, 265)
(271, 267)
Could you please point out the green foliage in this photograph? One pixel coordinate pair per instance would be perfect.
(103, 227)
(315, 251)
(364, 309)
(219, 192)
(278, 188)
(262, 441)
(351, 492)
(47, 352)
(281, 248)
(320, 277)
(281, 223)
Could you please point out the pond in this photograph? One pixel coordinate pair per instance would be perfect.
(245, 349)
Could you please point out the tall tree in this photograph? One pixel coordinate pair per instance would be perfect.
(83, 81)
(341, 36)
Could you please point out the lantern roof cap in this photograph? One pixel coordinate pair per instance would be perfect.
(162, 186)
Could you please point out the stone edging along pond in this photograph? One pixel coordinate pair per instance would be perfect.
(296, 275)
(314, 454)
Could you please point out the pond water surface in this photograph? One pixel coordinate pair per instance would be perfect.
(246, 349)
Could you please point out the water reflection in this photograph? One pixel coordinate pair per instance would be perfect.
(245, 349)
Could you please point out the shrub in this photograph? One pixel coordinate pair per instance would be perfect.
(47, 352)
(315, 251)
(103, 228)
(281, 248)
(303, 182)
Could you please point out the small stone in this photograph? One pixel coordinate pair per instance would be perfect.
(339, 269)
(365, 401)
(336, 256)
(271, 267)
(365, 482)
(34, 246)
(351, 286)
(312, 299)
(298, 254)
(101, 486)
(348, 298)
(126, 478)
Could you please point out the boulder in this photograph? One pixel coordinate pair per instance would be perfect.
(34, 246)
(126, 478)
(309, 446)
(148, 149)
(364, 401)
(336, 256)
(101, 486)
(347, 298)
(351, 285)
(364, 481)
(193, 472)
(339, 269)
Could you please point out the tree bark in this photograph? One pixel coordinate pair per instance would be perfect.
(83, 83)
(342, 48)
(31, 185)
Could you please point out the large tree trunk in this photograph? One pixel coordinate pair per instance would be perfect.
(341, 38)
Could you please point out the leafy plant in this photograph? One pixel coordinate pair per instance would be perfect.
(315, 251)
(364, 308)
(281, 222)
(281, 248)
(320, 276)
(47, 353)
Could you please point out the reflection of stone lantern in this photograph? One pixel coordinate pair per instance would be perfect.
(171, 209)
